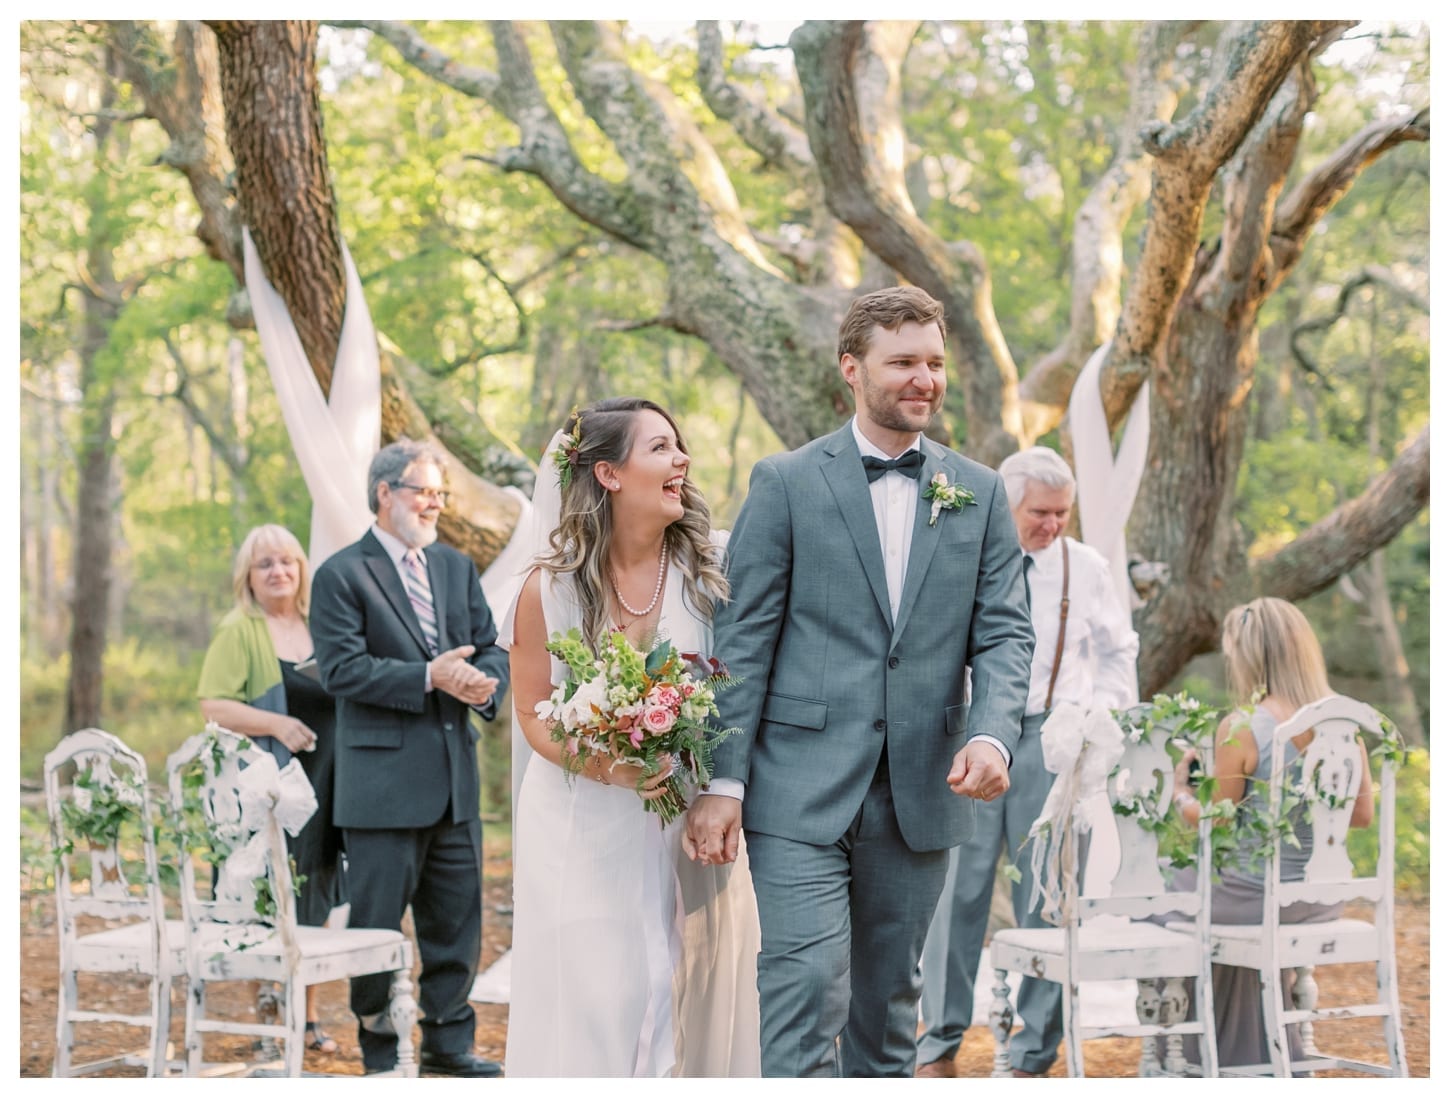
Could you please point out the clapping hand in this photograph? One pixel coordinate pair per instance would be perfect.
(451, 673)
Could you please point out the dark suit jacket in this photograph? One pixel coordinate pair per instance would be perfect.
(403, 754)
(829, 681)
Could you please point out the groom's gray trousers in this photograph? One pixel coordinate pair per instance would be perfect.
(850, 914)
(954, 942)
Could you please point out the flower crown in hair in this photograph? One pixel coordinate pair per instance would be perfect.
(567, 452)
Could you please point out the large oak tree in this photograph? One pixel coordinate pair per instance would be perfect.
(1184, 320)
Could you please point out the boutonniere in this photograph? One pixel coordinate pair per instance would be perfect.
(943, 494)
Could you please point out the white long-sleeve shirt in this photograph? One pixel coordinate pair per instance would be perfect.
(1100, 651)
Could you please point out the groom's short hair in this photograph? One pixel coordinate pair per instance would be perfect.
(890, 309)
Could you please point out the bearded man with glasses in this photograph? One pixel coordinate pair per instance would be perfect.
(405, 642)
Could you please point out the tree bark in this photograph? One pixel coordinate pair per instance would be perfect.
(92, 561)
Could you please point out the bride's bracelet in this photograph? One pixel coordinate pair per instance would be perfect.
(601, 775)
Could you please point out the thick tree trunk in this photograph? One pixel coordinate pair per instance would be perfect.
(92, 561)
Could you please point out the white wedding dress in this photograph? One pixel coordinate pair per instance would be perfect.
(628, 960)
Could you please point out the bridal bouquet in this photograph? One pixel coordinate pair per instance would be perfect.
(628, 706)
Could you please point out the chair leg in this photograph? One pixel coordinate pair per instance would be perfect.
(1072, 1030)
(64, 1026)
(1305, 996)
(269, 1012)
(160, 1024)
(295, 1003)
(1149, 1006)
(1174, 1010)
(403, 1014)
(1271, 993)
(1394, 1034)
(195, 1011)
(999, 1021)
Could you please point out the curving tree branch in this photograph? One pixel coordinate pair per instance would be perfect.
(850, 76)
(1347, 536)
(1253, 61)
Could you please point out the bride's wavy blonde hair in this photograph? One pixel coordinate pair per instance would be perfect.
(579, 545)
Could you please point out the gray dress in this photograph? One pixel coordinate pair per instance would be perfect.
(1238, 898)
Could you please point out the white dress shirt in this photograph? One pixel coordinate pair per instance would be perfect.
(893, 498)
(396, 549)
(1100, 650)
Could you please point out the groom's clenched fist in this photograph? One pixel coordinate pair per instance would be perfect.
(711, 835)
(979, 771)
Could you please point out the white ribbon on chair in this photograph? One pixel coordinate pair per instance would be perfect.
(334, 437)
(263, 788)
(1081, 746)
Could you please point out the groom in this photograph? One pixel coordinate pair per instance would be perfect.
(855, 611)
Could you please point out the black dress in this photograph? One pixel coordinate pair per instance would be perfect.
(318, 849)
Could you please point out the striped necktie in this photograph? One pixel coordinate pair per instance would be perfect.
(415, 580)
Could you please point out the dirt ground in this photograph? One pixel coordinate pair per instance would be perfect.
(1111, 1057)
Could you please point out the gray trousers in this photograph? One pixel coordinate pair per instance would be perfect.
(953, 948)
(841, 929)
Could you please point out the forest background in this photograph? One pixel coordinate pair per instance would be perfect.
(543, 214)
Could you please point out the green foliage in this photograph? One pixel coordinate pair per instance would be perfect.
(150, 702)
(1412, 828)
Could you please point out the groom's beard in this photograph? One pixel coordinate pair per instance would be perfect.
(885, 410)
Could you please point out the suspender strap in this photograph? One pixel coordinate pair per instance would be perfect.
(1061, 629)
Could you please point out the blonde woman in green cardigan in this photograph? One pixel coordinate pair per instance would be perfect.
(250, 683)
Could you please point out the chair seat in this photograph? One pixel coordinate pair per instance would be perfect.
(128, 948)
(1341, 941)
(253, 952)
(1104, 952)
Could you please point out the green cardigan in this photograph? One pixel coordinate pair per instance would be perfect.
(241, 665)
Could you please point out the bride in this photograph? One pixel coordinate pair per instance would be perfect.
(628, 959)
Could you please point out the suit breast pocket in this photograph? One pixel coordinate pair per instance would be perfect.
(387, 736)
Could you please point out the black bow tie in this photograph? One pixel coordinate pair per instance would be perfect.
(908, 465)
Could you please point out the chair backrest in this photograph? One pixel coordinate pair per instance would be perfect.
(1140, 793)
(101, 831)
(1321, 789)
(222, 813)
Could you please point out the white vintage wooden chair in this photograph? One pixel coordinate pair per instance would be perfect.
(1327, 779)
(108, 901)
(233, 789)
(1097, 940)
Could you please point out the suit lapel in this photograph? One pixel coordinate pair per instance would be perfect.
(924, 538)
(847, 481)
(385, 575)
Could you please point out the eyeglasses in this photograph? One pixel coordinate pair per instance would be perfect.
(430, 494)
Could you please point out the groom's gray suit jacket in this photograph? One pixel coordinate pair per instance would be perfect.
(829, 681)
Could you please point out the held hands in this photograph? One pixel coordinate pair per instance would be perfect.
(294, 735)
(979, 771)
(711, 835)
(451, 673)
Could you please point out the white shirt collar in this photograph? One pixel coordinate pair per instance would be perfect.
(870, 449)
(391, 543)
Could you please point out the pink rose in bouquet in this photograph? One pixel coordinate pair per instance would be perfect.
(629, 706)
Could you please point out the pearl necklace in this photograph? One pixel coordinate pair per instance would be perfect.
(659, 587)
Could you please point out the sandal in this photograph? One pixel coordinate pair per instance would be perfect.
(318, 1040)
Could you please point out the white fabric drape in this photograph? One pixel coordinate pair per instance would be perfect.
(1106, 485)
(333, 437)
